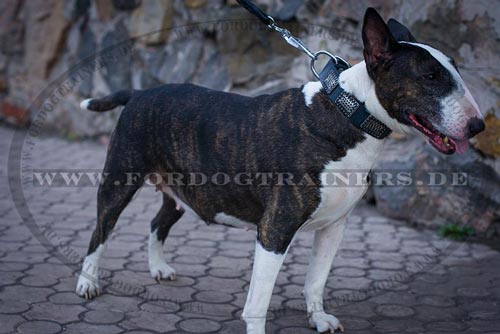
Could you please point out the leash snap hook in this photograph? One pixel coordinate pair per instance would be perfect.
(289, 38)
(272, 25)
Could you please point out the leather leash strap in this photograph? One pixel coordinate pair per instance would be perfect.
(248, 5)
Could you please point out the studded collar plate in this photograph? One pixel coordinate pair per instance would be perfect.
(353, 109)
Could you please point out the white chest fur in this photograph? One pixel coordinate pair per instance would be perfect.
(344, 184)
(338, 200)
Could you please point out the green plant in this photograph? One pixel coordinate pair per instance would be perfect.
(72, 136)
(456, 232)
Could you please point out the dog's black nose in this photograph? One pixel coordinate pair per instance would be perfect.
(476, 125)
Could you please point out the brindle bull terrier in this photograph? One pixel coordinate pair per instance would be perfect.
(182, 128)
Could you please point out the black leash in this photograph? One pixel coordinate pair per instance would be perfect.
(266, 19)
(350, 107)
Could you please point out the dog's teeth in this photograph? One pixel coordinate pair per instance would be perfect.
(446, 141)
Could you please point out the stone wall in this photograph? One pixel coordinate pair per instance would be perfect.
(60, 52)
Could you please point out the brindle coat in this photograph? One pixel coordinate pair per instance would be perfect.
(183, 128)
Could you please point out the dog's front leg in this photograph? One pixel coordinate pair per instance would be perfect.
(266, 267)
(275, 233)
(326, 243)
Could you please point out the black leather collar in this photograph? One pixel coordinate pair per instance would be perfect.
(353, 109)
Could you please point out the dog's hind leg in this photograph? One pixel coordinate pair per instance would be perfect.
(114, 194)
(160, 226)
(326, 243)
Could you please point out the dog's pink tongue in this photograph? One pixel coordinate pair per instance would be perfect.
(461, 146)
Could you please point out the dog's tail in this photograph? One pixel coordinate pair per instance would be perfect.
(109, 102)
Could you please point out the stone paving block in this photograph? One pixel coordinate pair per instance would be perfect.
(217, 297)
(382, 275)
(66, 298)
(295, 319)
(395, 311)
(432, 313)
(234, 326)
(160, 306)
(39, 280)
(364, 309)
(36, 327)
(108, 301)
(9, 322)
(165, 292)
(398, 298)
(192, 270)
(228, 285)
(150, 321)
(11, 277)
(398, 326)
(217, 312)
(440, 301)
(446, 326)
(25, 294)
(199, 326)
(225, 273)
(353, 283)
(103, 317)
(59, 313)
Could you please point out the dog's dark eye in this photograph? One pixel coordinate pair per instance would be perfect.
(430, 76)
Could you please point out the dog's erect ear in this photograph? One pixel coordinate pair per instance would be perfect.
(378, 42)
(400, 32)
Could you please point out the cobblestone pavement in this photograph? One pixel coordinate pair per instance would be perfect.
(387, 277)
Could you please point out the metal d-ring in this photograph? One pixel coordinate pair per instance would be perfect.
(335, 58)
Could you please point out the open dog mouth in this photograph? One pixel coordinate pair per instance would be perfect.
(442, 143)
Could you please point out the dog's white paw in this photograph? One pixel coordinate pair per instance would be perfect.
(161, 270)
(324, 322)
(87, 287)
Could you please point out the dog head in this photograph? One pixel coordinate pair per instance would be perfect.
(419, 86)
